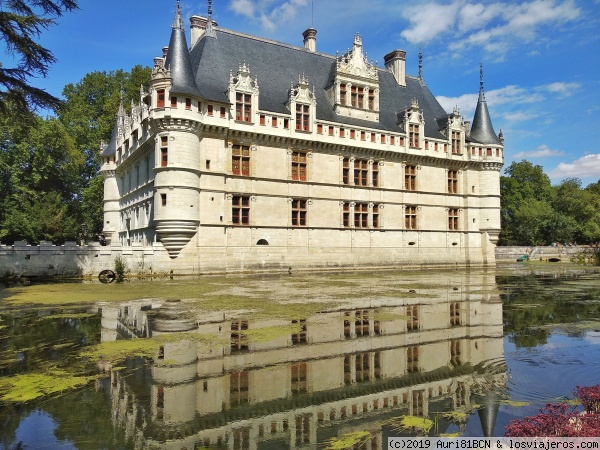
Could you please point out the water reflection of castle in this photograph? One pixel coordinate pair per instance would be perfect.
(339, 372)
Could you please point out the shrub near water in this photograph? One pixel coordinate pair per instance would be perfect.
(562, 420)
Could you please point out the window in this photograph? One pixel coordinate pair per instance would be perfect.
(361, 215)
(361, 322)
(300, 336)
(209, 110)
(375, 173)
(164, 151)
(320, 129)
(200, 107)
(240, 160)
(299, 162)
(303, 429)
(352, 134)
(412, 311)
(376, 223)
(410, 218)
(392, 140)
(361, 172)
(188, 103)
(330, 130)
(240, 210)
(373, 136)
(343, 94)
(238, 388)
(372, 99)
(346, 214)
(456, 142)
(163, 199)
(286, 124)
(342, 132)
(160, 98)
(223, 112)
(412, 359)
(413, 135)
(455, 353)
(239, 341)
(262, 119)
(418, 400)
(453, 181)
(453, 219)
(173, 102)
(454, 314)
(302, 117)
(298, 378)
(410, 178)
(346, 171)
(274, 121)
(298, 213)
(243, 107)
(363, 135)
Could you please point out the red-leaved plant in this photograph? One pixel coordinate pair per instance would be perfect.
(562, 420)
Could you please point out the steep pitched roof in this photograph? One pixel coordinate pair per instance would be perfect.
(482, 130)
(178, 60)
(276, 65)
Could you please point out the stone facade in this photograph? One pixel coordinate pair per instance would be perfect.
(277, 167)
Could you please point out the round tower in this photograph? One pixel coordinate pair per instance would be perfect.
(111, 189)
(176, 121)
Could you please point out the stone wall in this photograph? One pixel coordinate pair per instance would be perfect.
(89, 260)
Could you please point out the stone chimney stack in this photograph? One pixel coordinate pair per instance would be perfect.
(165, 51)
(198, 27)
(310, 39)
(395, 62)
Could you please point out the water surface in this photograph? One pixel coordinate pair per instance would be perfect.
(275, 362)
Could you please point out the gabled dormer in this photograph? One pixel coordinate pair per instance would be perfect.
(412, 123)
(355, 91)
(302, 105)
(455, 131)
(243, 94)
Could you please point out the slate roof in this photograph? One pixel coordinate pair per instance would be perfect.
(482, 129)
(277, 65)
(111, 148)
(178, 61)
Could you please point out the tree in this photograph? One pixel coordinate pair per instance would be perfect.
(90, 108)
(526, 188)
(39, 176)
(21, 21)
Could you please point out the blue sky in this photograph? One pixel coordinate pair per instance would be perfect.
(541, 57)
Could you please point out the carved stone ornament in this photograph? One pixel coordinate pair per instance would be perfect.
(242, 82)
(354, 62)
(301, 93)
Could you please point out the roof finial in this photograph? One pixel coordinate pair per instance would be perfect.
(420, 62)
(178, 21)
(209, 24)
(481, 78)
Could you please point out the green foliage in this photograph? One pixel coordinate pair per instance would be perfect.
(535, 213)
(120, 268)
(21, 24)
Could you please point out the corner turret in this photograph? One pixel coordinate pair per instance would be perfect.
(178, 60)
(482, 130)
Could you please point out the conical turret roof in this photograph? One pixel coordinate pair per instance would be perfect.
(178, 60)
(482, 129)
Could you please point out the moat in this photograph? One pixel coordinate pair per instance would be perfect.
(293, 361)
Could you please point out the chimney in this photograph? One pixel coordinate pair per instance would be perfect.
(395, 62)
(165, 51)
(310, 39)
(198, 27)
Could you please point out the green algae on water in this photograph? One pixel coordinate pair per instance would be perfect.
(407, 423)
(26, 387)
(355, 439)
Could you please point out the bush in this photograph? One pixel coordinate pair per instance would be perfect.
(120, 268)
(562, 420)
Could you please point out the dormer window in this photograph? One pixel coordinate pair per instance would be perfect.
(413, 135)
(302, 117)
(456, 142)
(243, 93)
(243, 107)
(302, 101)
(355, 92)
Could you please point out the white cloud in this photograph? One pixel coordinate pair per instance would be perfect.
(562, 89)
(587, 166)
(495, 27)
(519, 116)
(271, 14)
(543, 151)
(243, 8)
(429, 20)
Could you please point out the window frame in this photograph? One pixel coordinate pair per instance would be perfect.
(299, 165)
(299, 212)
(243, 107)
(240, 160)
(240, 210)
